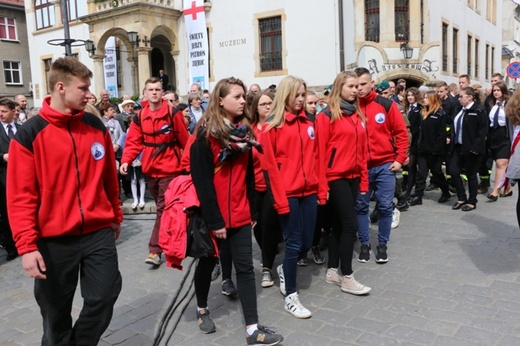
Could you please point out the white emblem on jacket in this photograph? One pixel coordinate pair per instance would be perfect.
(98, 151)
(380, 118)
(310, 132)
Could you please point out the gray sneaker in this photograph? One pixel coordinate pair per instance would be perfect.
(279, 270)
(153, 259)
(205, 322)
(228, 288)
(264, 336)
(267, 278)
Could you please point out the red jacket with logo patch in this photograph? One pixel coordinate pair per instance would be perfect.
(161, 150)
(342, 151)
(289, 160)
(61, 178)
(387, 134)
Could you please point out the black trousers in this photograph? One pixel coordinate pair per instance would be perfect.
(433, 163)
(241, 248)
(93, 258)
(412, 176)
(342, 198)
(5, 228)
(467, 163)
(267, 230)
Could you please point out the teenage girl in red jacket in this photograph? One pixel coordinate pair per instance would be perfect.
(289, 160)
(222, 172)
(342, 171)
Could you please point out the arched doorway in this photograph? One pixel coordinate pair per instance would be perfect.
(161, 58)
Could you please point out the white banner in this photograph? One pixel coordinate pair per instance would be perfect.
(110, 67)
(195, 19)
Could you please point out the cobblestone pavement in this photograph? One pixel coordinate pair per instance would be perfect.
(452, 279)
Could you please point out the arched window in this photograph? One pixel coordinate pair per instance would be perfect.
(402, 20)
(44, 10)
(372, 20)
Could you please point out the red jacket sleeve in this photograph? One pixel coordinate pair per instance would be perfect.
(363, 182)
(399, 132)
(322, 139)
(134, 143)
(180, 126)
(273, 178)
(111, 181)
(23, 197)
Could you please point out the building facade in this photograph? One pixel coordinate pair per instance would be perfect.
(14, 50)
(260, 42)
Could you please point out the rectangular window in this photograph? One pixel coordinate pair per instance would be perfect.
(270, 44)
(372, 20)
(477, 47)
(487, 62)
(12, 73)
(8, 29)
(73, 10)
(492, 57)
(455, 47)
(445, 47)
(47, 67)
(402, 21)
(468, 71)
(44, 11)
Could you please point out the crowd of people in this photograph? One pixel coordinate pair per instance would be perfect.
(286, 164)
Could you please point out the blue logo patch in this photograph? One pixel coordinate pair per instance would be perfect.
(98, 151)
(380, 118)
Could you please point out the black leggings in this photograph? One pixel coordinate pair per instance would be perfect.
(240, 246)
(342, 198)
(518, 206)
(267, 229)
(426, 162)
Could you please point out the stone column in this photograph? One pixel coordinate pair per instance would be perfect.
(136, 89)
(143, 58)
(99, 77)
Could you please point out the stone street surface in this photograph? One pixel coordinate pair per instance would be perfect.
(452, 279)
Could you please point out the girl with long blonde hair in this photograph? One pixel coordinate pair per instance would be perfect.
(342, 172)
(289, 161)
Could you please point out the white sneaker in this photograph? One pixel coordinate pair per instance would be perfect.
(134, 205)
(350, 285)
(293, 306)
(396, 217)
(279, 270)
(141, 205)
(333, 277)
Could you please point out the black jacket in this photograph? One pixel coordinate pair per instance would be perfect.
(415, 122)
(432, 134)
(475, 126)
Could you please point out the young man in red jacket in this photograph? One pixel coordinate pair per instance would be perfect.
(65, 213)
(159, 131)
(387, 148)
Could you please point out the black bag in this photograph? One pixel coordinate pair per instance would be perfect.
(199, 242)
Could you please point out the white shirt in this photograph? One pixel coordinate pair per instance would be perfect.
(13, 126)
(501, 115)
(456, 121)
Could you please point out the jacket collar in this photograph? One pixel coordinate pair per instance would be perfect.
(291, 117)
(57, 118)
(162, 112)
(364, 101)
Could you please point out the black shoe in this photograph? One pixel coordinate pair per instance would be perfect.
(458, 205)
(469, 207)
(381, 256)
(432, 186)
(205, 322)
(402, 205)
(492, 198)
(317, 255)
(11, 255)
(264, 336)
(417, 200)
(364, 253)
(228, 288)
(445, 198)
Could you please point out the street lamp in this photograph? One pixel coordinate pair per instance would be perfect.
(133, 38)
(89, 46)
(407, 51)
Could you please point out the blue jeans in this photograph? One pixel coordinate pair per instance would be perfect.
(382, 181)
(298, 232)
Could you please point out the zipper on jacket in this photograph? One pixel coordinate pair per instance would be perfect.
(229, 192)
(301, 155)
(78, 176)
(368, 141)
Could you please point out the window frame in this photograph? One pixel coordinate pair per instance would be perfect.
(444, 47)
(372, 10)
(270, 58)
(402, 32)
(6, 26)
(42, 7)
(455, 52)
(11, 69)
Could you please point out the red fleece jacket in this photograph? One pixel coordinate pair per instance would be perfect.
(342, 151)
(387, 134)
(69, 183)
